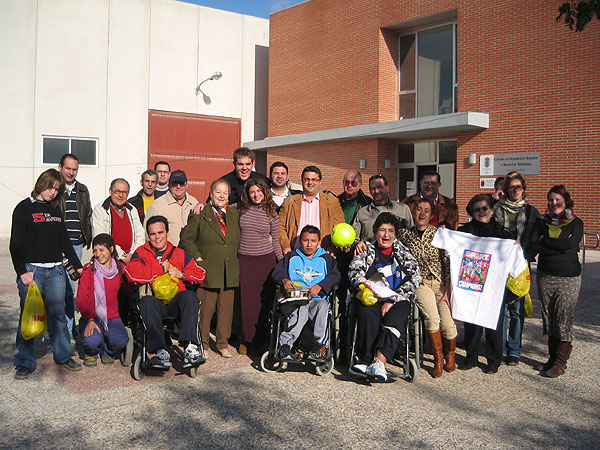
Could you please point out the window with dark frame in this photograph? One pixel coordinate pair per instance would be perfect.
(86, 149)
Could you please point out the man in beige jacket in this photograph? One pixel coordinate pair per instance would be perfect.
(175, 205)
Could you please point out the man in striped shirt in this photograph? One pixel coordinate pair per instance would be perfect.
(77, 213)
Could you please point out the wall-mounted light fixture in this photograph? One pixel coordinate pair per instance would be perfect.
(215, 76)
(387, 164)
(473, 158)
(363, 164)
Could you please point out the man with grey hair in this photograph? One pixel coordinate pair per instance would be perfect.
(117, 217)
(353, 198)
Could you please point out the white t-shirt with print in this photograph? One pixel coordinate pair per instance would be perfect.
(479, 268)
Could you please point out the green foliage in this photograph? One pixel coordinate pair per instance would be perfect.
(578, 13)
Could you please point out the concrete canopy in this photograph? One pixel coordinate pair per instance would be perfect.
(419, 128)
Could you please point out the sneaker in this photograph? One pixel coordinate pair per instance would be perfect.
(22, 373)
(377, 369)
(285, 352)
(359, 368)
(512, 361)
(90, 361)
(107, 359)
(161, 360)
(191, 354)
(319, 353)
(70, 364)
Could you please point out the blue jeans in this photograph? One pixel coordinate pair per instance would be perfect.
(514, 322)
(106, 343)
(52, 283)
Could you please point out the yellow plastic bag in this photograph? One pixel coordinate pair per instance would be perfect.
(528, 305)
(165, 287)
(33, 321)
(366, 296)
(520, 286)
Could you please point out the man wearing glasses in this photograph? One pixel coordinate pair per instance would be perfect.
(309, 208)
(175, 205)
(353, 198)
(117, 217)
(445, 210)
(163, 170)
(365, 218)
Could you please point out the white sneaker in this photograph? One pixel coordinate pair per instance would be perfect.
(191, 354)
(360, 368)
(161, 360)
(377, 369)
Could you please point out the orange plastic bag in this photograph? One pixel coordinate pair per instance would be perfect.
(33, 321)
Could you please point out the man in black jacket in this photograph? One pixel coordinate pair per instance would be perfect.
(76, 209)
(144, 198)
(243, 165)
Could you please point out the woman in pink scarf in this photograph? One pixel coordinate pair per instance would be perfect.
(100, 326)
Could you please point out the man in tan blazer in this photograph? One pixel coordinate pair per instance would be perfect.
(309, 208)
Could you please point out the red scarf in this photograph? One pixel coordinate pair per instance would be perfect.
(220, 215)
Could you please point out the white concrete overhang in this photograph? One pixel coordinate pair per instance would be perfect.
(446, 125)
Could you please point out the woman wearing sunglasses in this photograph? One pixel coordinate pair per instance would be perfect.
(480, 209)
(516, 216)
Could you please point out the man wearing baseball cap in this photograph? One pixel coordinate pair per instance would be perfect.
(175, 205)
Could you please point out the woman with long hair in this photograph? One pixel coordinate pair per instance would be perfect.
(516, 216)
(258, 253)
(38, 240)
(556, 238)
(101, 328)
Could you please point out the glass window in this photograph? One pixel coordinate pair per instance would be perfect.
(406, 153)
(425, 152)
(427, 75)
(447, 151)
(53, 148)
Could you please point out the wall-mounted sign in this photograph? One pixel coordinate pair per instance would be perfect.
(486, 183)
(501, 164)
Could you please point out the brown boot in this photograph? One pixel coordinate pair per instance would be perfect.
(563, 352)
(552, 344)
(435, 339)
(449, 351)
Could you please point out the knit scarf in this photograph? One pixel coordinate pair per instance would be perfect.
(220, 215)
(100, 274)
(557, 221)
(509, 207)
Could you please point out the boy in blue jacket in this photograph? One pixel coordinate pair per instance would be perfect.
(310, 266)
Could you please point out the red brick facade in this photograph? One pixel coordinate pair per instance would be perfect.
(333, 65)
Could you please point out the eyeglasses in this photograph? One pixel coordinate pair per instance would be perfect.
(178, 183)
(350, 183)
(515, 188)
(120, 192)
(481, 209)
(314, 180)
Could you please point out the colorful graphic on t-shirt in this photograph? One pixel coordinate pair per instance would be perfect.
(473, 271)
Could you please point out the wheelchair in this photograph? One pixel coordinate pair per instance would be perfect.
(409, 354)
(135, 353)
(270, 361)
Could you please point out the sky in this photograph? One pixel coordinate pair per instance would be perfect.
(258, 8)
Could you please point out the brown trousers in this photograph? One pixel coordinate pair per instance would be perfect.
(223, 300)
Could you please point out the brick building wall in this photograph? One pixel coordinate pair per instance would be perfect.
(332, 65)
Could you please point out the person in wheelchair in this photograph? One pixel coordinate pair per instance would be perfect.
(308, 266)
(388, 270)
(157, 257)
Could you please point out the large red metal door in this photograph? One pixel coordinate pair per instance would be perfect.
(201, 145)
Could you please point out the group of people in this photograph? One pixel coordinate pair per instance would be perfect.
(254, 231)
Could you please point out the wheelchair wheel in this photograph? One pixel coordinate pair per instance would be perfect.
(127, 353)
(326, 367)
(413, 370)
(137, 371)
(193, 372)
(268, 365)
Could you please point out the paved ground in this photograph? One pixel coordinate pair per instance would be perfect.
(231, 404)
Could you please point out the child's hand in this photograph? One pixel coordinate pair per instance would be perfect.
(314, 291)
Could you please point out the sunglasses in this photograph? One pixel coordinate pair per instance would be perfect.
(482, 209)
(178, 183)
(350, 183)
(515, 188)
